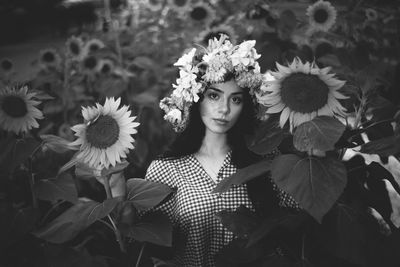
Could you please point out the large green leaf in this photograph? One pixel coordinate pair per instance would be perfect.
(146, 194)
(320, 133)
(241, 222)
(75, 219)
(63, 256)
(244, 175)
(83, 170)
(238, 254)
(343, 234)
(267, 137)
(315, 183)
(287, 219)
(385, 147)
(154, 227)
(61, 188)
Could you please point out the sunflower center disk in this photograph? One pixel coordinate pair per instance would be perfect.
(304, 93)
(14, 106)
(106, 68)
(198, 13)
(320, 15)
(74, 48)
(180, 3)
(103, 133)
(94, 47)
(90, 63)
(6, 65)
(48, 57)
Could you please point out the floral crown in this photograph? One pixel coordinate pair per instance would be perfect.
(197, 71)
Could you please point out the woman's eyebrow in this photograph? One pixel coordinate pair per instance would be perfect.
(222, 91)
(215, 89)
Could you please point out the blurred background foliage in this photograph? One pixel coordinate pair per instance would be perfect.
(126, 48)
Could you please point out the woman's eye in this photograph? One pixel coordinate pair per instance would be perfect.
(213, 96)
(237, 100)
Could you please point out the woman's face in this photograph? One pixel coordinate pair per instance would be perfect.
(221, 106)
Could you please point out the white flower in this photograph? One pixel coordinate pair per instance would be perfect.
(105, 136)
(186, 59)
(174, 116)
(245, 54)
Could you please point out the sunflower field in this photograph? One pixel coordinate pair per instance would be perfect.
(83, 108)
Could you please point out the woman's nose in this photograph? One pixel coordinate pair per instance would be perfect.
(224, 106)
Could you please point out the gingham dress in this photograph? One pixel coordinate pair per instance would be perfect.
(198, 235)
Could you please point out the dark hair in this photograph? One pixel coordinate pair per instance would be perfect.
(190, 140)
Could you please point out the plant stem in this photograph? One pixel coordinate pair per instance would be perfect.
(140, 255)
(107, 186)
(31, 184)
(117, 235)
(303, 245)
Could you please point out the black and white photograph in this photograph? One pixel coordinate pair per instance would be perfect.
(199, 133)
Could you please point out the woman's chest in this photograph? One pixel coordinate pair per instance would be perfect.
(196, 200)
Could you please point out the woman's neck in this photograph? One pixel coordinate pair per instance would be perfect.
(214, 144)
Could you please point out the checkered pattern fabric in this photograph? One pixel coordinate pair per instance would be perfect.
(198, 235)
(285, 200)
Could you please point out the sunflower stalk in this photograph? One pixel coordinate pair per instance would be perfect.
(32, 176)
(32, 183)
(303, 245)
(140, 255)
(107, 186)
(117, 235)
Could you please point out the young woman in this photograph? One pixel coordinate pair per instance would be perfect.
(212, 109)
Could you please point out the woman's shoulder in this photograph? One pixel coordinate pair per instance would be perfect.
(163, 169)
(165, 162)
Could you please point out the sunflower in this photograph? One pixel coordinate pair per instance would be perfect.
(202, 13)
(371, 14)
(89, 64)
(215, 32)
(321, 15)
(300, 92)
(179, 6)
(105, 66)
(155, 5)
(75, 48)
(105, 136)
(18, 112)
(93, 45)
(6, 65)
(49, 58)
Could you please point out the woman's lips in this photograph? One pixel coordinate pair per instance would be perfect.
(221, 121)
